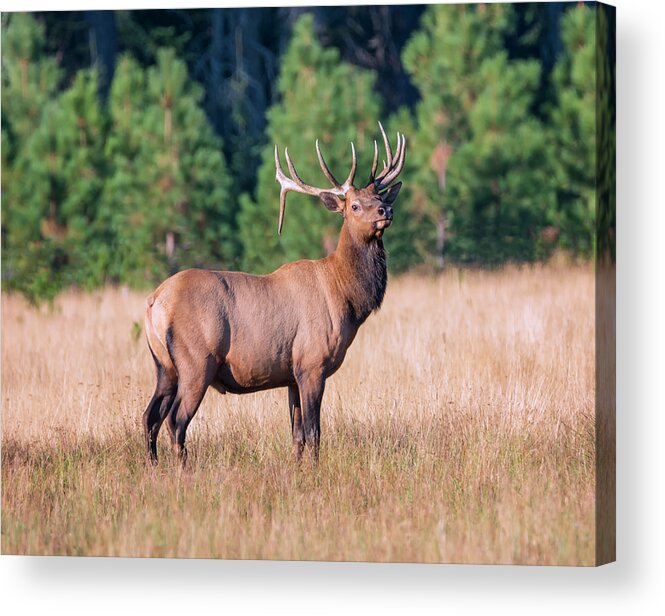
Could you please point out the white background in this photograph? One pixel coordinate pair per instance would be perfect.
(633, 584)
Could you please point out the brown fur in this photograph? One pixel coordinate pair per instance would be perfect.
(242, 333)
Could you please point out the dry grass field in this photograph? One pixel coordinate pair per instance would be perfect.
(459, 429)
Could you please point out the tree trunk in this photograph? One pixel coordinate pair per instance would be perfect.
(216, 76)
(103, 46)
(440, 239)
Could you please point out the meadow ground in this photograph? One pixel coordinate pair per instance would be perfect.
(459, 429)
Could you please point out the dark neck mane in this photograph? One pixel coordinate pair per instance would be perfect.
(361, 274)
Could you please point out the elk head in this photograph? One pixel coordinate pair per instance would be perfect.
(368, 211)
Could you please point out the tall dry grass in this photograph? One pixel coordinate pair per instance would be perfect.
(459, 429)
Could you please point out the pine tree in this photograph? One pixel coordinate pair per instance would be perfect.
(167, 198)
(606, 135)
(57, 181)
(478, 168)
(573, 121)
(29, 77)
(81, 126)
(123, 196)
(51, 168)
(324, 98)
(29, 81)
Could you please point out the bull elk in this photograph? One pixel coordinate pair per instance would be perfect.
(242, 333)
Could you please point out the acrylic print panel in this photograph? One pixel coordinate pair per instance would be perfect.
(428, 376)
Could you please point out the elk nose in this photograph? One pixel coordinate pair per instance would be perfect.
(386, 211)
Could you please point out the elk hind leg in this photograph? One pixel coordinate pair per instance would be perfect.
(158, 408)
(193, 382)
(182, 412)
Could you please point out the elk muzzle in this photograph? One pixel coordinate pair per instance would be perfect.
(386, 213)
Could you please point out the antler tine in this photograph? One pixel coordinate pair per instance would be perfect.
(398, 151)
(389, 152)
(293, 183)
(324, 167)
(397, 169)
(282, 208)
(284, 183)
(375, 163)
(395, 163)
(296, 184)
(348, 183)
(294, 174)
(400, 147)
(387, 168)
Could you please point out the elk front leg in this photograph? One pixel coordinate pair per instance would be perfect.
(311, 393)
(297, 430)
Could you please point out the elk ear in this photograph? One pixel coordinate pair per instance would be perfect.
(331, 201)
(390, 195)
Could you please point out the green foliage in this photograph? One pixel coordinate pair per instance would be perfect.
(503, 164)
(145, 33)
(324, 98)
(29, 77)
(478, 166)
(33, 253)
(606, 137)
(137, 330)
(52, 202)
(412, 236)
(90, 194)
(167, 196)
(573, 130)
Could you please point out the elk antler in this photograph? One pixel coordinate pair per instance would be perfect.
(296, 184)
(391, 169)
(394, 164)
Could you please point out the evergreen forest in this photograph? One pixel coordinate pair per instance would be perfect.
(138, 143)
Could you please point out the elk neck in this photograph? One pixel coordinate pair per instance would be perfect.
(358, 269)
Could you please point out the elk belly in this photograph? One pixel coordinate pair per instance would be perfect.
(245, 377)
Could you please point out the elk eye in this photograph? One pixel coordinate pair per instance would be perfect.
(355, 207)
